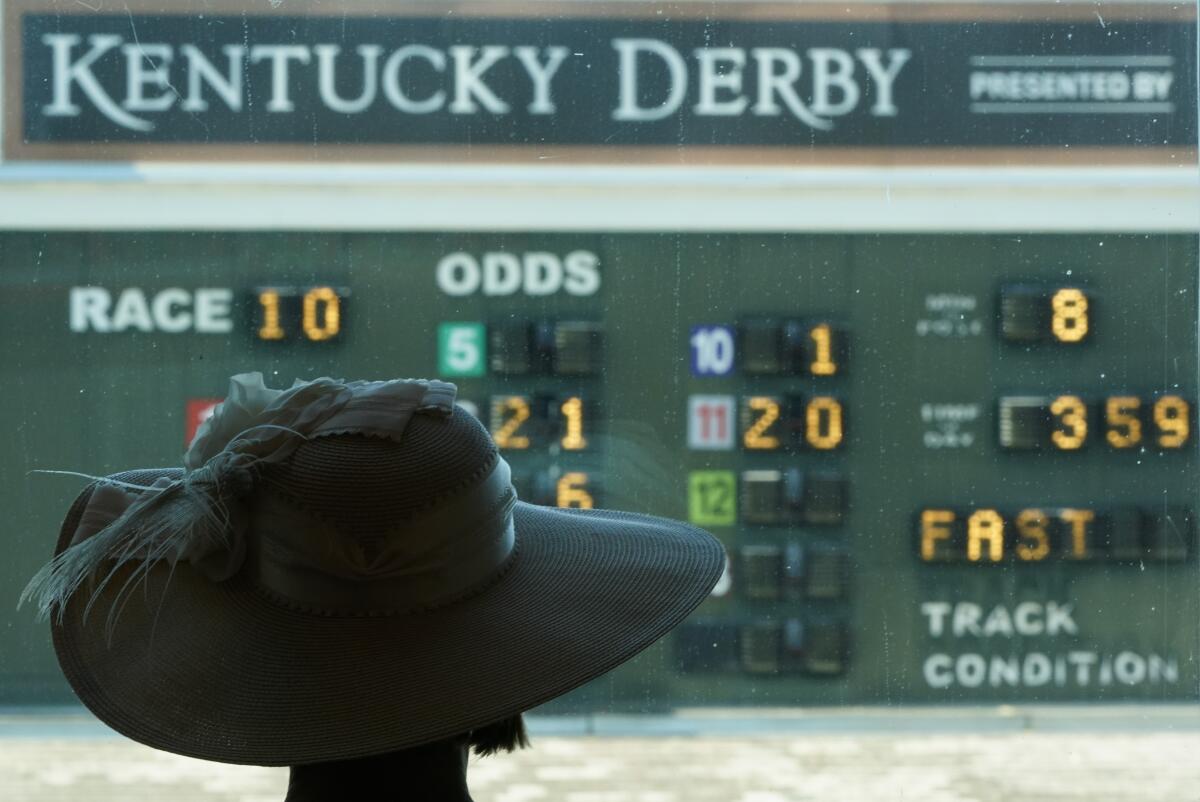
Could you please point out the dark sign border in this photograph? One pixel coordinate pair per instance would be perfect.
(16, 149)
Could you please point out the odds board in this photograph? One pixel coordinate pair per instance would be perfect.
(944, 467)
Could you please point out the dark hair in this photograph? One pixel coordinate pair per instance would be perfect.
(507, 735)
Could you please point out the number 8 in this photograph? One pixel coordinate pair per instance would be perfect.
(1070, 322)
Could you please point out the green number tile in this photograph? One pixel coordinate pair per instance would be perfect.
(462, 349)
(712, 498)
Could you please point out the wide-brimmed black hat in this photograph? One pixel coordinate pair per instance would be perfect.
(343, 569)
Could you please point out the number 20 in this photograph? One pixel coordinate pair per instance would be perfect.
(822, 423)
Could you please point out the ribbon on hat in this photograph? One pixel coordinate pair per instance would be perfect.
(201, 518)
(438, 556)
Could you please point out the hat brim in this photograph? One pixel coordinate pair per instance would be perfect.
(218, 671)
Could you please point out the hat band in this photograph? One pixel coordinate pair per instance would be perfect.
(429, 561)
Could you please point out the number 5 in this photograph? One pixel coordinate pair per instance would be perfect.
(1124, 428)
(461, 349)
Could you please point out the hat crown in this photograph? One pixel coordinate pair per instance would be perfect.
(357, 525)
(366, 486)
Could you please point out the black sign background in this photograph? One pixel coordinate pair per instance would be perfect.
(931, 92)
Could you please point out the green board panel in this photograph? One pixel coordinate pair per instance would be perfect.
(610, 356)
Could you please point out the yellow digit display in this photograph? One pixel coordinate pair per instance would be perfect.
(1071, 414)
(755, 436)
(1121, 416)
(331, 325)
(988, 540)
(935, 528)
(1033, 544)
(1070, 319)
(571, 491)
(985, 527)
(822, 364)
(1079, 523)
(572, 410)
(270, 330)
(823, 423)
(508, 413)
(1171, 418)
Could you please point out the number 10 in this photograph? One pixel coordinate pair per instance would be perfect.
(712, 350)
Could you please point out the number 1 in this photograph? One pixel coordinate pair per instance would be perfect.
(822, 364)
(572, 410)
(269, 299)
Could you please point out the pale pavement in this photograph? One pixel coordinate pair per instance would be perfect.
(1109, 754)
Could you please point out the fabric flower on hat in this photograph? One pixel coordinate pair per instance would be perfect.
(256, 420)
